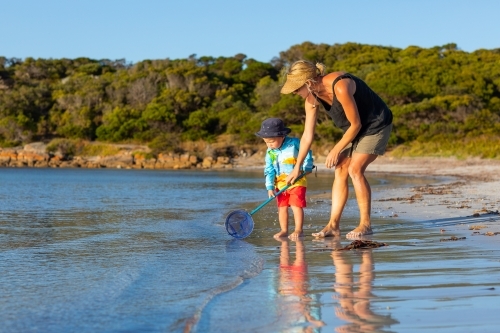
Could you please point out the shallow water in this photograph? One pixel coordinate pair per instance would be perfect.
(136, 251)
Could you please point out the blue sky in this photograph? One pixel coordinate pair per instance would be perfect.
(159, 29)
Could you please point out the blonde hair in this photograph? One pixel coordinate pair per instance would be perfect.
(306, 68)
(300, 72)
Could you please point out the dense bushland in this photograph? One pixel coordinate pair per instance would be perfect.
(446, 102)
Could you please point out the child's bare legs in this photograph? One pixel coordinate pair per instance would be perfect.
(298, 215)
(283, 219)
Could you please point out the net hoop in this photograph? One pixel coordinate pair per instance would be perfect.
(239, 224)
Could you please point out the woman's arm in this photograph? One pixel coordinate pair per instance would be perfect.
(305, 141)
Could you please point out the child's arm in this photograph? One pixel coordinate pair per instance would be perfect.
(270, 175)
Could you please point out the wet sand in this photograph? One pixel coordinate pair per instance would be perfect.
(440, 270)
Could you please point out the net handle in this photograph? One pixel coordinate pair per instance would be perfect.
(275, 195)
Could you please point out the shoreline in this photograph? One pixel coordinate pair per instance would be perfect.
(461, 188)
(457, 192)
(465, 187)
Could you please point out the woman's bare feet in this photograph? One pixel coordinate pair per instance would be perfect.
(296, 235)
(359, 231)
(327, 232)
(281, 234)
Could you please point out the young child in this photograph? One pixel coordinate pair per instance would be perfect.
(281, 156)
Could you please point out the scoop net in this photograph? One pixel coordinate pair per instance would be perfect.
(239, 224)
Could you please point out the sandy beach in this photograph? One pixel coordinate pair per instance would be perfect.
(462, 188)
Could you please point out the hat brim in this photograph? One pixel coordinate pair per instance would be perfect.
(291, 85)
(264, 134)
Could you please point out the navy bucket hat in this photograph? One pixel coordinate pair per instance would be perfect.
(272, 127)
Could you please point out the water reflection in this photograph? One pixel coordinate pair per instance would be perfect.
(295, 303)
(354, 298)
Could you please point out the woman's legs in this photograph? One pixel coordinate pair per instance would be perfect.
(357, 168)
(340, 192)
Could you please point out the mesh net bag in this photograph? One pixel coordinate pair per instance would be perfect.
(239, 224)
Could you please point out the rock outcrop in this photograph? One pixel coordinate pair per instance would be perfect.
(128, 157)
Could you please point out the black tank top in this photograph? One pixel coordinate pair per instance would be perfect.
(373, 112)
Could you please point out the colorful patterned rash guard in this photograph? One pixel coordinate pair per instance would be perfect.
(281, 161)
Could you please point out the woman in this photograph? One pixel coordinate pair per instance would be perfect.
(366, 121)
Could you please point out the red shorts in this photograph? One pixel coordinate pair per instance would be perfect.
(295, 196)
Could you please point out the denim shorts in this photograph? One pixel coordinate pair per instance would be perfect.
(371, 144)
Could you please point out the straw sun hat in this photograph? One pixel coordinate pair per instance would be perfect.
(297, 77)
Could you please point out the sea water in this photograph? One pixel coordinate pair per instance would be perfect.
(100, 250)
(117, 250)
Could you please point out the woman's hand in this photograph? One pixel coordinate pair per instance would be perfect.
(270, 193)
(293, 176)
(333, 157)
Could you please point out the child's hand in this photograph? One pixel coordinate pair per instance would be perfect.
(270, 193)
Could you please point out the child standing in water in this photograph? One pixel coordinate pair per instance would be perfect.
(281, 157)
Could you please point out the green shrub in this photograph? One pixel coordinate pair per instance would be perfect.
(484, 146)
(100, 150)
(65, 147)
(166, 142)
